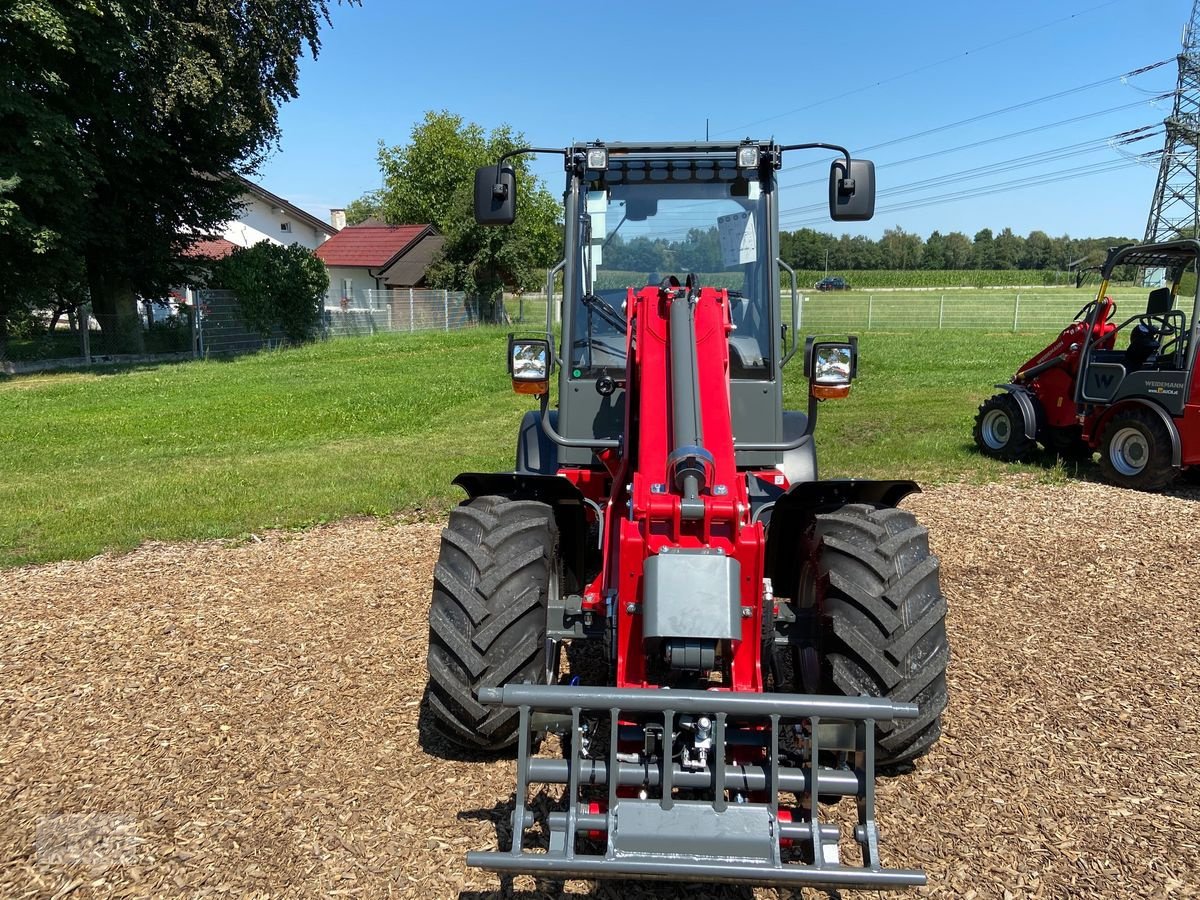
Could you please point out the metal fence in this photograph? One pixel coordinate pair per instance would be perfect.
(928, 311)
(917, 310)
(406, 309)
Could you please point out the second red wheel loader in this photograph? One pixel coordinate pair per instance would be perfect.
(1126, 387)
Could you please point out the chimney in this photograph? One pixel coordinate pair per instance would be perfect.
(337, 218)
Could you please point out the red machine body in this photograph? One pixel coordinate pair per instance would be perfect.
(1055, 386)
(652, 516)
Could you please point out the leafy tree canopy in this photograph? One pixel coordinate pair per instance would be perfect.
(431, 180)
(118, 121)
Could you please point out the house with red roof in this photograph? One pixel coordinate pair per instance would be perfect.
(373, 256)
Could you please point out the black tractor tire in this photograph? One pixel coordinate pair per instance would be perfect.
(881, 620)
(487, 620)
(1135, 451)
(1000, 430)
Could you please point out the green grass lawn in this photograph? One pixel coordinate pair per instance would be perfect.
(380, 425)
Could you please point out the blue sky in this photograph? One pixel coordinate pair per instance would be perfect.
(858, 74)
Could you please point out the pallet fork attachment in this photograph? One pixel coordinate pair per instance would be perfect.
(632, 813)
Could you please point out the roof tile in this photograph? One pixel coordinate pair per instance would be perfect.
(368, 245)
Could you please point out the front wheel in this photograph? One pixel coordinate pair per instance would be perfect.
(494, 576)
(1135, 451)
(880, 619)
(1000, 429)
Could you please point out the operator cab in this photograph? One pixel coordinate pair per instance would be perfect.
(652, 218)
(670, 219)
(1151, 352)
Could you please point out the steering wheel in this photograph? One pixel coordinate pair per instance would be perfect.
(1162, 328)
(1086, 310)
(605, 310)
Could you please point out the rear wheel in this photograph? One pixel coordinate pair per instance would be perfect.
(881, 619)
(487, 619)
(1135, 451)
(1000, 429)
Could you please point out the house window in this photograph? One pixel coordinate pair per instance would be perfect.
(285, 226)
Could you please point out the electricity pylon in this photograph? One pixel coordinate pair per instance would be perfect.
(1173, 211)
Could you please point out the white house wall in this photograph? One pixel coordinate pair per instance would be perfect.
(360, 281)
(259, 221)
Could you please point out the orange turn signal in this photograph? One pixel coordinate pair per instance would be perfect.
(830, 391)
(531, 387)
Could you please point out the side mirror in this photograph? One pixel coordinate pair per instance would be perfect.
(529, 364)
(495, 195)
(852, 192)
(830, 366)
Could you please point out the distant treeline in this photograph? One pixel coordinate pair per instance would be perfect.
(900, 249)
(897, 250)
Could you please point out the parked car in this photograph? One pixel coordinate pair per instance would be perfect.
(833, 283)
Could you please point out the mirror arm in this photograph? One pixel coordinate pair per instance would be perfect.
(845, 185)
(499, 190)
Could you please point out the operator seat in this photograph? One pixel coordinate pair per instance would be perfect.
(1146, 338)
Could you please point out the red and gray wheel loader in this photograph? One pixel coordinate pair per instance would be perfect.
(761, 641)
(1126, 388)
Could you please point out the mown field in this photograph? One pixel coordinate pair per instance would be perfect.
(380, 426)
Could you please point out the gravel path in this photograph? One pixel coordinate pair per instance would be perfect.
(243, 720)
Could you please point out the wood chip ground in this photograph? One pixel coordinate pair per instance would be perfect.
(245, 720)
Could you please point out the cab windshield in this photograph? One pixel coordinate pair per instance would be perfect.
(648, 220)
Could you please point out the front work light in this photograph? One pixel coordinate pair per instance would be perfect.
(529, 364)
(597, 158)
(747, 156)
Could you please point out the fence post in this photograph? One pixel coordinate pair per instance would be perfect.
(87, 333)
(941, 312)
(411, 318)
(446, 308)
(870, 310)
(194, 322)
(1016, 311)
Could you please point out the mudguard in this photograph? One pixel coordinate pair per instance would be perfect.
(557, 492)
(1027, 402)
(790, 516)
(1168, 423)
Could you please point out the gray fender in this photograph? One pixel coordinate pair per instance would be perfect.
(1163, 415)
(793, 513)
(800, 463)
(536, 453)
(1028, 404)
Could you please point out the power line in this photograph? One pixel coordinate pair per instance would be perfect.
(1003, 137)
(1055, 154)
(919, 69)
(1058, 95)
(983, 191)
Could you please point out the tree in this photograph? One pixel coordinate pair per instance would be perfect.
(431, 180)
(983, 250)
(276, 286)
(957, 251)
(901, 249)
(934, 256)
(146, 106)
(1039, 251)
(1009, 248)
(368, 206)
